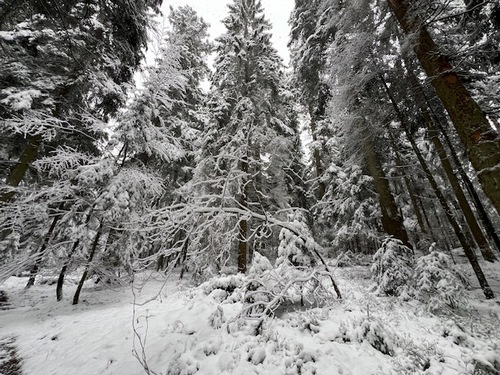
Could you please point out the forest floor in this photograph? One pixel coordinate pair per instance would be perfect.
(187, 330)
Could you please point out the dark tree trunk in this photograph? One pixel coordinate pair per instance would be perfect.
(41, 252)
(483, 214)
(470, 217)
(469, 252)
(19, 170)
(392, 222)
(408, 185)
(318, 166)
(76, 297)
(243, 223)
(184, 257)
(62, 274)
(479, 139)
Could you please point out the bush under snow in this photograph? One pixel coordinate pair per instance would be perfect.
(438, 283)
(392, 268)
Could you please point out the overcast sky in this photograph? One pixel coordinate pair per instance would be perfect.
(213, 11)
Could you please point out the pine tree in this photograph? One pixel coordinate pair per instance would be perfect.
(62, 74)
(241, 170)
(470, 122)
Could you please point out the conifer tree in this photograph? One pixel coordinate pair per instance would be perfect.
(248, 144)
(62, 72)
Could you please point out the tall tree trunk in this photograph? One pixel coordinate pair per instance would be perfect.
(184, 257)
(62, 274)
(483, 214)
(243, 223)
(408, 185)
(318, 165)
(392, 222)
(433, 122)
(76, 297)
(434, 237)
(478, 137)
(469, 252)
(470, 218)
(19, 170)
(41, 252)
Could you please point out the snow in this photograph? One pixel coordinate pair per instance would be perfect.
(21, 100)
(196, 330)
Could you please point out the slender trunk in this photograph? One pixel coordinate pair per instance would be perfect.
(184, 257)
(392, 222)
(62, 274)
(483, 214)
(433, 126)
(434, 237)
(478, 137)
(41, 252)
(76, 297)
(470, 218)
(469, 252)
(408, 185)
(318, 166)
(243, 224)
(19, 170)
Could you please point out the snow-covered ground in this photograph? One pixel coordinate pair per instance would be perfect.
(191, 330)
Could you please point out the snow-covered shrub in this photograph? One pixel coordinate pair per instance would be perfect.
(437, 282)
(392, 268)
(345, 259)
(224, 285)
(269, 289)
(370, 330)
(217, 318)
(296, 245)
(184, 364)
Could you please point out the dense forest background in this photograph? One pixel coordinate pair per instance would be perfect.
(401, 100)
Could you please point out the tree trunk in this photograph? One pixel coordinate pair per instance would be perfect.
(19, 170)
(76, 297)
(483, 214)
(470, 218)
(433, 125)
(408, 185)
(392, 222)
(434, 237)
(243, 223)
(471, 256)
(41, 252)
(478, 137)
(184, 257)
(469, 252)
(318, 166)
(62, 274)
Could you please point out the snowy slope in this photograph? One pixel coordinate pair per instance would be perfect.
(192, 330)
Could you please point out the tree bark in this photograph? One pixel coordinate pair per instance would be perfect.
(480, 140)
(470, 217)
(19, 170)
(471, 256)
(469, 252)
(392, 222)
(62, 274)
(483, 214)
(41, 252)
(318, 166)
(76, 297)
(408, 185)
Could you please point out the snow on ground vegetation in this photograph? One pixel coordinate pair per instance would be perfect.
(175, 328)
